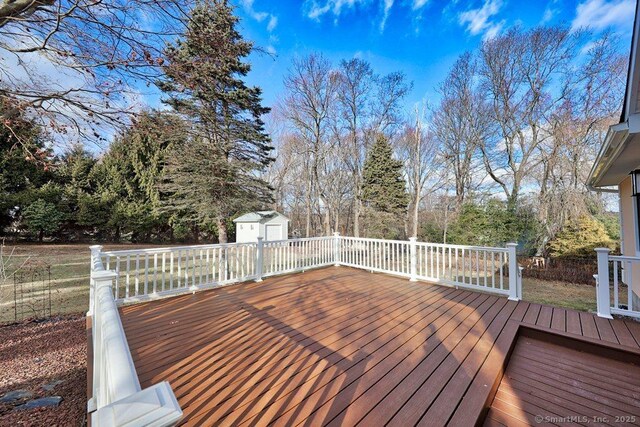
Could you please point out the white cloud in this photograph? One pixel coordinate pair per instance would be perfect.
(599, 14)
(388, 4)
(273, 23)
(315, 10)
(249, 9)
(550, 11)
(418, 4)
(478, 21)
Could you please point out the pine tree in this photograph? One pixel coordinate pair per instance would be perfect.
(42, 218)
(204, 82)
(129, 176)
(384, 192)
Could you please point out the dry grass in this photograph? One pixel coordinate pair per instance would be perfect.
(559, 294)
(69, 275)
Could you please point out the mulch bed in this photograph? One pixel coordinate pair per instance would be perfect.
(51, 353)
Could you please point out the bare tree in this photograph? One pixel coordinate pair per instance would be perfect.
(356, 80)
(311, 91)
(417, 149)
(523, 74)
(461, 124)
(78, 66)
(576, 128)
(369, 105)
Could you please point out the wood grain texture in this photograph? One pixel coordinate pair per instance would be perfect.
(341, 346)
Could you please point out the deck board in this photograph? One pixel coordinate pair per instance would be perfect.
(340, 346)
(551, 380)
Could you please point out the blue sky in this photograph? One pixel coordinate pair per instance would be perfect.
(422, 38)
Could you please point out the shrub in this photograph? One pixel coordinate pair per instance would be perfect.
(579, 239)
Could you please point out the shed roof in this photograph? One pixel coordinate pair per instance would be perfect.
(259, 216)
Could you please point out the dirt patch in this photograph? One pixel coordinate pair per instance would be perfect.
(45, 358)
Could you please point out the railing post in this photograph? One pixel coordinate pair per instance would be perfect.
(336, 249)
(603, 298)
(259, 259)
(413, 254)
(515, 291)
(95, 262)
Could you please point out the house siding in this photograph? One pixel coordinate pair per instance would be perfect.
(628, 244)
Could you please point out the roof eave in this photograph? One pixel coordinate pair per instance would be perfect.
(615, 141)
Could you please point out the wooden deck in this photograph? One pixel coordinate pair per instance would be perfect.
(340, 346)
(560, 384)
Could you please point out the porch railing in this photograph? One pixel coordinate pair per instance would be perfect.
(144, 274)
(117, 398)
(479, 268)
(614, 288)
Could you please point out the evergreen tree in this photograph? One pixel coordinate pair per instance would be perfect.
(384, 193)
(76, 187)
(42, 218)
(204, 82)
(25, 162)
(130, 173)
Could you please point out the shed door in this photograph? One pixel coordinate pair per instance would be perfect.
(273, 232)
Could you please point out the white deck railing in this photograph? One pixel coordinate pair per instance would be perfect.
(117, 399)
(127, 276)
(479, 268)
(153, 273)
(614, 284)
(144, 274)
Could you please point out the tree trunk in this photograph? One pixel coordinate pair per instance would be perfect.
(196, 233)
(414, 219)
(308, 210)
(40, 236)
(222, 229)
(356, 217)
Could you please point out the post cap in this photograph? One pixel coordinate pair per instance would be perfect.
(512, 244)
(336, 234)
(413, 239)
(260, 238)
(604, 250)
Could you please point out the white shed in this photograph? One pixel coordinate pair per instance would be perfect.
(270, 225)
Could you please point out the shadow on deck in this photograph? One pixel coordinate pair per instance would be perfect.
(341, 346)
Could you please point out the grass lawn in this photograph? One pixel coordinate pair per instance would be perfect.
(69, 276)
(559, 294)
(70, 281)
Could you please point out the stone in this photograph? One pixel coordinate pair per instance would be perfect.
(43, 402)
(53, 384)
(15, 395)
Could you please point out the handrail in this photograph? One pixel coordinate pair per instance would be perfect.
(117, 398)
(624, 258)
(122, 252)
(474, 248)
